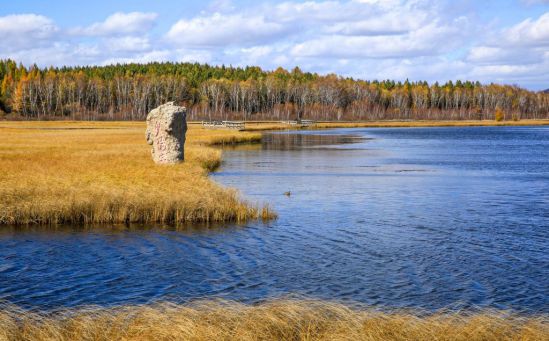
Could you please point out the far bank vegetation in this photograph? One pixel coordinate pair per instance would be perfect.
(130, 91)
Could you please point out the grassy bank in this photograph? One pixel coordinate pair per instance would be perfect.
(275, 320)
(260, 126)
(98, 172)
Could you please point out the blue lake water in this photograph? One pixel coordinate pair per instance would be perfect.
(404, 217)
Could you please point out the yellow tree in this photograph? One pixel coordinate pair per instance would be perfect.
(18, 101)
(499, 114)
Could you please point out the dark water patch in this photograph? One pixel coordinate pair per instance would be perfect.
(298, 141)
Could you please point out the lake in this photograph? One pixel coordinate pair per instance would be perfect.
(423, 218)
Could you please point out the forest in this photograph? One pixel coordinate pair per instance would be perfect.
(130, 91)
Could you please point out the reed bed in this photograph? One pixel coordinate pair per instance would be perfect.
(280, 319)
(99, 172)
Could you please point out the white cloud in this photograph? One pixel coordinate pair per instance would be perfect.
(329, 29)
(529, 32)
(344, 12)
(222, 30)
(415, 39)
(120, 24)
(517, 54)
(514, 74)
(383, 25)
(430, 39)
(486, 55)
(249, 55)
(128, 44)
(257, 52)
(194, 56)
(58, 53)
(147, 57)
(313, 11)
(24, 31)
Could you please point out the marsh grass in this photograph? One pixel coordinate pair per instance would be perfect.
(98, 172)
(280, 319)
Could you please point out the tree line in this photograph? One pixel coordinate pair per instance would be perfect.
(130, 91)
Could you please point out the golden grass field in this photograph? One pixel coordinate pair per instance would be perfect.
(281, 319)
(99, 172)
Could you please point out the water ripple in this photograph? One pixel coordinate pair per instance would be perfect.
(429, 218)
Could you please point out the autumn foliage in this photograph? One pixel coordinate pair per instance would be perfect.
(130, 91)
(499, 115)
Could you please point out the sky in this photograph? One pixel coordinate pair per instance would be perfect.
(501, 41)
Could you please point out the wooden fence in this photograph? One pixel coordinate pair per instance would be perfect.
(303, 123)
(224, 124)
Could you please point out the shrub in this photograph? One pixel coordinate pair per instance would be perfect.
(499, 115)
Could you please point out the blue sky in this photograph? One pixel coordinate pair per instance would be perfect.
(504, 41)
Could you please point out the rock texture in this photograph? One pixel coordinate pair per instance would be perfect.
(166, 128)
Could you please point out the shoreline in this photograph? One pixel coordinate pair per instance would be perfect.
(265, 125)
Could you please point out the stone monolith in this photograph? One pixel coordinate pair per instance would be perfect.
(166, 128)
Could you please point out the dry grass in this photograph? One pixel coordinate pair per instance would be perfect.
(284, 319)
(260, 126)
(98, 172)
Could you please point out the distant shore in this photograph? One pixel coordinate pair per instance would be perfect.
(273, 125)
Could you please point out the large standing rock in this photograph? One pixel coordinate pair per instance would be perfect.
(166, 128)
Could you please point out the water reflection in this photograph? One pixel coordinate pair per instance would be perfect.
(8, 231)
(297, 141)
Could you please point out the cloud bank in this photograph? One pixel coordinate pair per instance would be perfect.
(371, 39)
